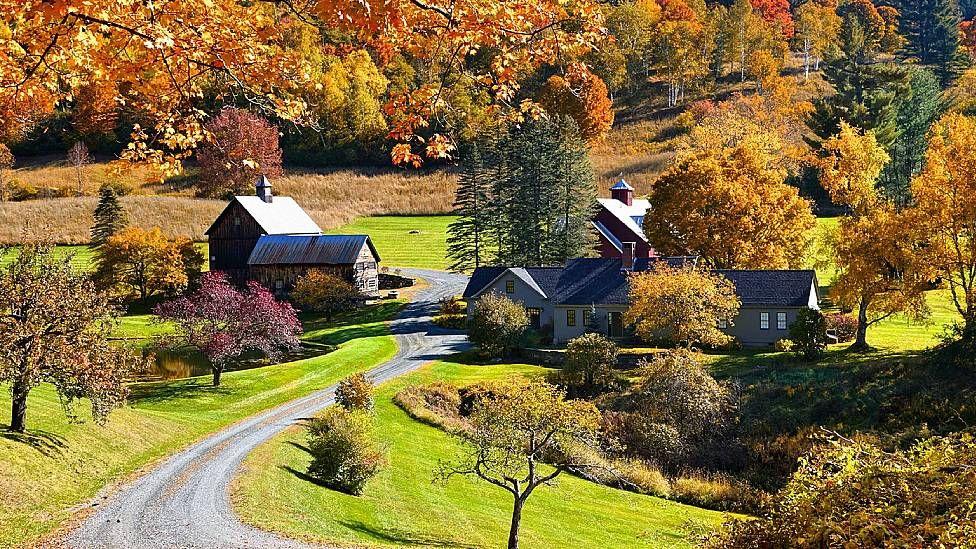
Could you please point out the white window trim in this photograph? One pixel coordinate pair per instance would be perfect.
(782, 316)
(764, 320)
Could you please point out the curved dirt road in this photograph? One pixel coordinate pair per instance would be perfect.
(185, 501)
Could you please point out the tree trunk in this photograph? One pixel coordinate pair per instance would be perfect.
(217, 370)
(861, 340)
(18, 408)
(513, 534)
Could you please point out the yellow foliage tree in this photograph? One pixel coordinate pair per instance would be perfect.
(729, 205)
(582, 96)
(681, 305)
(146, 263)
(945, 195)
(876, 246)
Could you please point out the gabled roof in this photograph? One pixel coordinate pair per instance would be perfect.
(627, 214)
(774, 288)
(309, 249)
(607, 234)
(602, 281)
(280, 216)
(621, 185)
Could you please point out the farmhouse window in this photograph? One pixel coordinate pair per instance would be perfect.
(279, 284)
(237, 221)
(780, 321)
(535, 317)
(723, 324)
(509, 286)
(764, 321)
(587, 317)
(571, 317)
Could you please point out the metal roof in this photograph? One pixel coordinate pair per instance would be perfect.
(280, 216)
(622, 185)
(310, 249)
(626, 214)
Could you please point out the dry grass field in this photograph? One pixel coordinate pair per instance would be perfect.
(333, 197)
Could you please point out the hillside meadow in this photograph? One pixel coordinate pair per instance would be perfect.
(403, 506)
(60, 464)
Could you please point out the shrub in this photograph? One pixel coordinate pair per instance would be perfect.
(451, 322)
(843, 325)
(243, 146)
(355, 393)
(590, 359)
(324, 292)
(852, 493)
(452, 306)
(719, 492)
(783, 345)
(497, 324)
(344, 456)
(682, 415)
(809, 334)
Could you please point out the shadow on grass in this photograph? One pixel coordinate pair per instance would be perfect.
(148, 394)
(399, 537)
(302, 475)
(366, 321)
(48, 444)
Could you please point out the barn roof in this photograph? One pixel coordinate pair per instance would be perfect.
(631, 217)
(280, 216)
(787, 288)
(310, 249)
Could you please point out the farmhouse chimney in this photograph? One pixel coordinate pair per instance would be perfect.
(627, 259)
(263, 188)
(623, 192)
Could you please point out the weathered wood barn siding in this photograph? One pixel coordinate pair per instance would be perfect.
(232, 239)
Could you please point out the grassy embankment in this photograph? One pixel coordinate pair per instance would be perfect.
(402, 507)
(59, 465)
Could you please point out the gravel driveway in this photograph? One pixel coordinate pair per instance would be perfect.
(185, 500)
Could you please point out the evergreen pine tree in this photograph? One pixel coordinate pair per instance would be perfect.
(917, 110)
(110, 216)
(865, 89)
(931, 30)
(469, 236)
(968, 8)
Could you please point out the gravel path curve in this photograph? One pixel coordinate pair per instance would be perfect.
(185, 501)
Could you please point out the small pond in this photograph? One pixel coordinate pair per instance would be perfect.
(182, 364)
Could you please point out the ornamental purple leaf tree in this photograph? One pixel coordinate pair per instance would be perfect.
(223, 322)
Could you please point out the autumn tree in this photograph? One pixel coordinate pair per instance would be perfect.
(224, 323)
(147, 263)
(497, 324)
(523, 435)
(581, 95)
(355, 392)
(876, 244)
(945, 196)
(96, 110)
(324, 292)
(78, 158)
(6, 163)
(590, 359)
(344, 454)
(681, 49)
(55, 327)
(817, 29)
(731, 206)
(777, 13)
(180, 60)
(632, 26)
(242, 146)
(110, 216)
(681, 305)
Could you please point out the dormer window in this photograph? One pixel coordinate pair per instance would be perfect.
(509, 286)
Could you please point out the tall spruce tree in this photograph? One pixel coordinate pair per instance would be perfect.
(931, 30)
(865, 88)
(110, 216)
(525, 198)
(917, 111)
(469, 240)
(968, 8)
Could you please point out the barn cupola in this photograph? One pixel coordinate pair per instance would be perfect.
(623, 192)
(263, 187)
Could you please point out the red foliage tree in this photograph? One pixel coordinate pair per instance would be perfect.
(242, 145)
(583, 96)
(223, 322)
(777, 13)
(968, 29)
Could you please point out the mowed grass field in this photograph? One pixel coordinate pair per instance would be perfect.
(403, 507)
(58, 465)
(405, 241)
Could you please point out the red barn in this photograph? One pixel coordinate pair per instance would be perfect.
(619, 221)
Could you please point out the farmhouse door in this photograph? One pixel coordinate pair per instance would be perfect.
(615, 324)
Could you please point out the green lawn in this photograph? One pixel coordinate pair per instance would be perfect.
(59, 464)
(83, 256)
(405, 241)
(402, 507)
